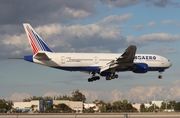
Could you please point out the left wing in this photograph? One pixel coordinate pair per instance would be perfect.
(126, 59)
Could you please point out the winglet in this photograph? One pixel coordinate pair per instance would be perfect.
(36, 42)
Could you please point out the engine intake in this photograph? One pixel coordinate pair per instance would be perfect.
(140, 68)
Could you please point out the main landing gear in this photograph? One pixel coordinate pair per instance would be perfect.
(93, 78)
(112, 76)
(160, 75)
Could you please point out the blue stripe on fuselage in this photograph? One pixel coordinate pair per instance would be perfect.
(97, 69)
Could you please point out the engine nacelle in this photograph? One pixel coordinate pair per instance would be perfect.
(140, 68)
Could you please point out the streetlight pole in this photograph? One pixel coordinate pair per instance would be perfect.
(154, 103)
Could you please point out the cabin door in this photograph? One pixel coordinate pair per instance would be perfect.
(63, 59)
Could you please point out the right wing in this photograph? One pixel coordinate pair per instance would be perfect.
(126, 59)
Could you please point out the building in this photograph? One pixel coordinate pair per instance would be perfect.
(91, 105)
(74, 105)
(40, 105)
(157, 103)
(137, 106)
(34, 105)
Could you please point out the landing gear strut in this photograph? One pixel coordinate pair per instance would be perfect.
(160, 75)
(93, 78)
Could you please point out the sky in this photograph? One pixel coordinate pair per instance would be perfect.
(107, 26)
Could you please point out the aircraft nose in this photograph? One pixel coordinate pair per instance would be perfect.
(169, 64)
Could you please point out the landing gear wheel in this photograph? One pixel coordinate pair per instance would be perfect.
(93, 78)
(90, 80)
(108, 78)
(116, 76)
(160, 76)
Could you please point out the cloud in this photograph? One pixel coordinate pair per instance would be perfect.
(152, 38)
(142, 93)
(18, 96)
(74, 38)
(17, 12)
(163, 3)
(138, 27)
(165, 22)
(120, 3)
(151, 23)
(127, 3)
(81, 38)
(164, 50)
(76, 13)
(51, 94)
(114, 19)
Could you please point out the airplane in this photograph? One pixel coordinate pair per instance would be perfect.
(96, 64)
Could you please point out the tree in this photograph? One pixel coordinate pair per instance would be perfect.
(47, 98)
(177, 107)
(78, 96)
(151, 108)
(63, 108)
(108, 107)
(102, 106)
(143, 108)
(26, 100)
(64, 97)
(32, 107)
(89, 110)
(172, 104)
(49, 108)
(5, 105)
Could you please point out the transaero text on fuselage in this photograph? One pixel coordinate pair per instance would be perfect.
(145, 57)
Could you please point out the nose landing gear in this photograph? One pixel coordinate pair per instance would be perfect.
(160, 75)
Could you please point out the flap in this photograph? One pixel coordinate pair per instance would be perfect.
(104, 68)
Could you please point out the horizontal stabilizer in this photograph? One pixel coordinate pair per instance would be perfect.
(16, 58)
(41, 56)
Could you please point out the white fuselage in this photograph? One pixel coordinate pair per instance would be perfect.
(78, 61)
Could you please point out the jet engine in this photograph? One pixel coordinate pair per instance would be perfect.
(140, 68)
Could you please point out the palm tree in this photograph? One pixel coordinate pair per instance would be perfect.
(32, 107)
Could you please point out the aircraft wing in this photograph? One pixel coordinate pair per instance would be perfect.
(126, 59)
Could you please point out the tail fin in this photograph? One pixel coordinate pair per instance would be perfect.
(36, 42)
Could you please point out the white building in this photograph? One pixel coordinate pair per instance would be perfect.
(157, 103)
(23, 106)
(137, 106)
(75, 105)
(91, 105)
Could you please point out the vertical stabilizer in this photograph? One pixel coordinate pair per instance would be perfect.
(36, 42)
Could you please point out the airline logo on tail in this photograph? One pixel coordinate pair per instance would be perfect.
(36, 42)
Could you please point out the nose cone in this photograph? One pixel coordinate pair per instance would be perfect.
(169, 64)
